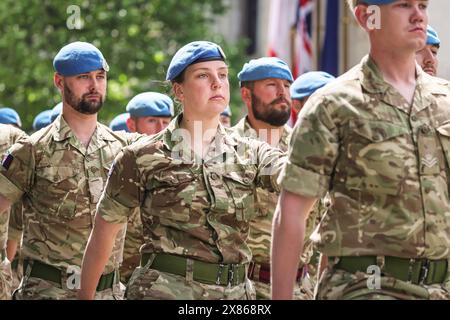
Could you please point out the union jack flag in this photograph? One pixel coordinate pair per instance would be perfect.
(303, 48)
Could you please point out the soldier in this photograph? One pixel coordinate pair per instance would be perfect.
(427, 56)
(59, 173)
(225, 117)
(150, 112)
(378, 140)
(304, 86)
(119, 123)
(42, 120)
(10, 116)
(9, 134)
(265, 86)
(195, 193)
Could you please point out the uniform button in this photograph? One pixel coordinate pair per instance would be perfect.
(425, 129)
(377, 137)
(246, 180)
(413, 118)
(214, 176)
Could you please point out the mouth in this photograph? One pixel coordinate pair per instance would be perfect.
(417, 29)
(216, 98)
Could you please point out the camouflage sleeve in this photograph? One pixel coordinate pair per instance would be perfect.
(123, 191)
(16, 170)
(313, 151)
(15, 228)
(131, 137)
(270, 163)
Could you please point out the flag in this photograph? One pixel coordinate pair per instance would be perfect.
(330, 50)
(303, 50)
(282, 19)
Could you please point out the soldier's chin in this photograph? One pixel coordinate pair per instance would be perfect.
(89, 107)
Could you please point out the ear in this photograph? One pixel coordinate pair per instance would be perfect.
(362, 15)
(246, 96)
(178, 91)
(58, 80)
(131, 124)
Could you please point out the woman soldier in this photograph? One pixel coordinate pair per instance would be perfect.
(196, 195)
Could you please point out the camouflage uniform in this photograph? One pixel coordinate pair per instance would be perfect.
(8, 136)
(261, 228)
(133, 241)
(386, 165)
(195, 213)
(60, 182)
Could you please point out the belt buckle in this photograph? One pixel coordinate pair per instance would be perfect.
(231, 274)
(425, 267)
(219, 273)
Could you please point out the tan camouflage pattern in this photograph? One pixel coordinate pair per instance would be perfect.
(134, 239)
(5, 279)
(384, 161)
(8, 136)
(150, 284)
(201, 211)
(60, 182)
(337, 284)
(260, 235)
(38, 289)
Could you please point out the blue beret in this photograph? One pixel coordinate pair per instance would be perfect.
(376, 2)
(432, 37)
(150, 104)
(120, 122)
(308, 83)
(226, 112)
(79, 57)
(10, 116)
(56, 111)
(197, 51)
(264, 68)
(42, 120)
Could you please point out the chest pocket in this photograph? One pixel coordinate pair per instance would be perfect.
(265, 202)
(60, 186)
(171, 195)
(241, 187)
(379, 151)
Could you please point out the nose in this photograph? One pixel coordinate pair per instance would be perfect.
(159, 125)
(419, 14)
(216, 82)
(282, 91)
(93, 84)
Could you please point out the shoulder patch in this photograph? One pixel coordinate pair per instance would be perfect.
(7, 160)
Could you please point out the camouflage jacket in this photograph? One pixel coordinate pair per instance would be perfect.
(199, 208)
(8, 136)
(265, 201)
(60, 182)
(384, 161)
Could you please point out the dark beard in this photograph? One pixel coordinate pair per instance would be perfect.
(267, 112)
(82, 105)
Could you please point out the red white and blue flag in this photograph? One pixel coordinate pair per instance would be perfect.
(303, 53)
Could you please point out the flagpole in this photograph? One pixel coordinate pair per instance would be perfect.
(345, 22)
